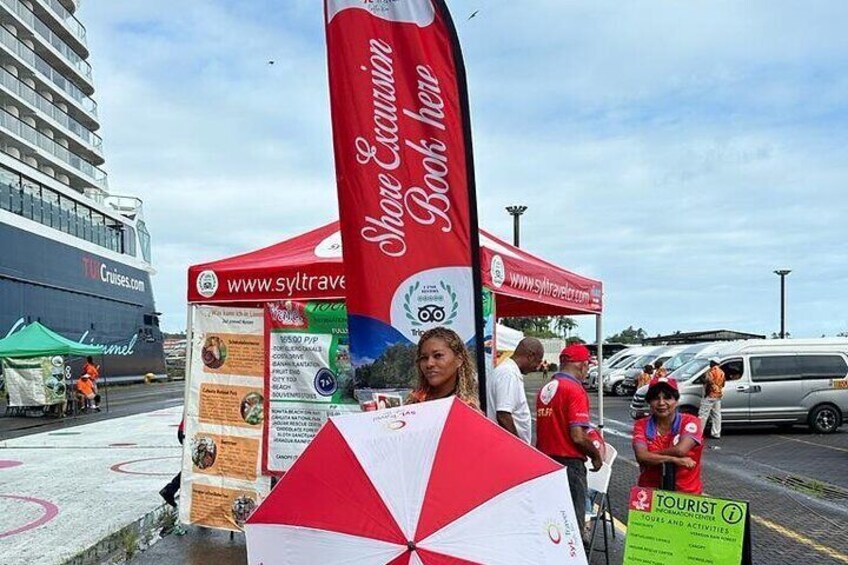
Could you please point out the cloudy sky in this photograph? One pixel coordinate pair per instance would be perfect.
(680, 152)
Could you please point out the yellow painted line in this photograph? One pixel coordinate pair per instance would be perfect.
(785, 532)
(618, 525)
(833, 447)
(795, 536)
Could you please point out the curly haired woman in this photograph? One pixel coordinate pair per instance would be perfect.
(444, 369)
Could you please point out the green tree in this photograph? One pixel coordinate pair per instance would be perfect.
(630, 335)
(394, 368)
(532, 326)
(564, 325)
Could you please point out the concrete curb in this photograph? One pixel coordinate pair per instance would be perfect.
(122, 545)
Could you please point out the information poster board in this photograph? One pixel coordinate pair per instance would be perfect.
(222, 480)
(669, 527)
(34, 381)
(310, 377)
(490, 339)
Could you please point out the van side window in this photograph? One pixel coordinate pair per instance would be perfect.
(732, 369)
(822, 366)
(782, 368)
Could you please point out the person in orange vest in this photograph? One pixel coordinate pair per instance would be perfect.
(711, 402)
(92, 370)
(660, 372)
(85, 393)
(646, 376)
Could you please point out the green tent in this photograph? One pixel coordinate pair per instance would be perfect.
(36, 340)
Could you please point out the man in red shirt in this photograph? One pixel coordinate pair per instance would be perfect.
(562, 422)
(668, 437)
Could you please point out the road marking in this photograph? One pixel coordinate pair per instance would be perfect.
(795, 536)
(833, 447)
(618, 525)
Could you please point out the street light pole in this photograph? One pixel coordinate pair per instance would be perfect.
(515, 212)
(782, 274)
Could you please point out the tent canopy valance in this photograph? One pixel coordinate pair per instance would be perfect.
(37, 340)
(310, 267)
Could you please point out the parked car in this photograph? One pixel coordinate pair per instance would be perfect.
(615, 360)
(672, 358)
(628, 384)
(613, 380)
(782, 382)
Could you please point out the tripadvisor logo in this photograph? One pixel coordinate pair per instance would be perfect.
(430, 304)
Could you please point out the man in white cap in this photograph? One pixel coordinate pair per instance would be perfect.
(711, 402)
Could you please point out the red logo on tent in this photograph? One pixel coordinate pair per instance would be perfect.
(288, 314)
(396, 425)
(641, 499)
(554, 533)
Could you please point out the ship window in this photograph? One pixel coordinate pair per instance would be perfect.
(5, 196)
(31, 205)
(113, 233)
(129, 240)
(144, 239)
(26, 204)
(51, 208)
(84, 221)
(8, 177)
(97, 220)
(67, 210)
(15, 199)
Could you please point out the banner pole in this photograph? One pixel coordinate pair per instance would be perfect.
(476, 272)
(600, 346)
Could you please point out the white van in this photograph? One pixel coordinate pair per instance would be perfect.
(665, 354)
(611, 362)
(783, 382)
(614, 378)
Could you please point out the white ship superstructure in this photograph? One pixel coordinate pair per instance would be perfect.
(71, 255)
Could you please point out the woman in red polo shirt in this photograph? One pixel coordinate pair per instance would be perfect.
(668, 436)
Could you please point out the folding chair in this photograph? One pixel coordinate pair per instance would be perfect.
(599, 481)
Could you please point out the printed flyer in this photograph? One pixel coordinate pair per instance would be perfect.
(222, 480)
(309, 376)
(670, 527)
(37, 381)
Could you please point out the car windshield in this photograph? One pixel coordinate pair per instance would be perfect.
(690, 369)
(640, 362)
(621, 361)
(678, 361)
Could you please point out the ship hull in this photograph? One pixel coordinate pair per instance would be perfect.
(83, 296)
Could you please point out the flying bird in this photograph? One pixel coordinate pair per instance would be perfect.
(271, 62)
(473, 14)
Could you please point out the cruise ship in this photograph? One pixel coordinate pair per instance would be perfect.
(73, 256)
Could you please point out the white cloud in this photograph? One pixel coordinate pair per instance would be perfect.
(679, 152)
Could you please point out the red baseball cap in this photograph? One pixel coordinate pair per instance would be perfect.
(662, 381)
(575, 353)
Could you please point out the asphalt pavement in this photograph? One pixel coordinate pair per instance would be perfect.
(116, 402)
(795, 481)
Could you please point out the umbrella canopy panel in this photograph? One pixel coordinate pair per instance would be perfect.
(37, 340)
(310, 267)
(433, 483)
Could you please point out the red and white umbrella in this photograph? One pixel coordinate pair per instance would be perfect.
(428, 484)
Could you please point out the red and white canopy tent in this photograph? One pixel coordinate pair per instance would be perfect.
(310, 267)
